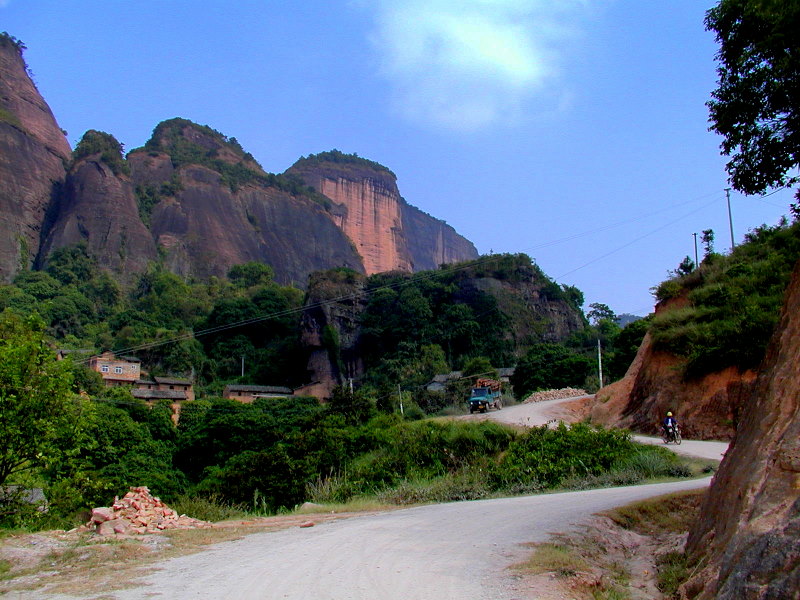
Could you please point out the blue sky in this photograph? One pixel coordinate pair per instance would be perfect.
(572, 130)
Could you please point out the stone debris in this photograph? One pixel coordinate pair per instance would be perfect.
(138, 512)
(554, 395)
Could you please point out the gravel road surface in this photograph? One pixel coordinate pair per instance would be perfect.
(534, 414)
(444, 551)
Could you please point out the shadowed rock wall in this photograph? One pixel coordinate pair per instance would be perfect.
(99, 208)
(33, 152)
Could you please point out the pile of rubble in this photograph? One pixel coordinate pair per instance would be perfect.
(554, 395)
(139, 512)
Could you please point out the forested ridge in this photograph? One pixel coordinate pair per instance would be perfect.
(272, 453)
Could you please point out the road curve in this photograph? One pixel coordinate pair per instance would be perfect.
(455, 550)
(534, 414)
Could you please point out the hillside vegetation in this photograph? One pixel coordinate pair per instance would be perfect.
(274, 454)
(727, 308)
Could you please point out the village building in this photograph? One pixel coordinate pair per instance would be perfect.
(116, 370)
(439, 382)
(177, 391)
(248, 393)
(159, 388)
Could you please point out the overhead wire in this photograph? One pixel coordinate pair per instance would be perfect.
(422, 276)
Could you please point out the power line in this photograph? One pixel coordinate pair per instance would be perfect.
(425, 275)
(630, 243)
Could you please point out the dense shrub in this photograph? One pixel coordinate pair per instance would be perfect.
(548, 456)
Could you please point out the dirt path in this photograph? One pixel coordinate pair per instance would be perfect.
(535, 414)
(457, 550)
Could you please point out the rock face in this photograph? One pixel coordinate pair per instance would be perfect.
(195, 200)
(33, 152)
(331, 324)
(99, 208)
(389, 234)
(209, 222)
(707, 407)
(330, 329)
(533, 312)
(749, 529)
(431, 242)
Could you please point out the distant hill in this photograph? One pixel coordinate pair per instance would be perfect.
(626, 319)
(196, 201)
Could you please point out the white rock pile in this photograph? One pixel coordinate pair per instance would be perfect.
(139, 512)
(554, 395)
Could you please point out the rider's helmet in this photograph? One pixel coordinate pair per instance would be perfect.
(669, 414)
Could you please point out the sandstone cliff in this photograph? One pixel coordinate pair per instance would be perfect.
(195, 200)
(215, 208)
(33, 152)
(98, 207)
(389, 234)
(748, 536)
(504, 289)
(330, 328)
(432, 242)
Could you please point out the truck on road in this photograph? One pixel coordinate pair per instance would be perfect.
(486, 394)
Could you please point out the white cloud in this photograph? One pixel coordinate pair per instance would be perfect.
(471, 64)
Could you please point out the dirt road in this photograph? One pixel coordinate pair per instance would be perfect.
(539, 413)
(457, 550)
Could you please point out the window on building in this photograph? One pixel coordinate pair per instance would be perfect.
(133, 368)
(104, 368)
(118, 370)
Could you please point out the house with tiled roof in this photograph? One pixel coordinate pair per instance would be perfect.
(248, 393)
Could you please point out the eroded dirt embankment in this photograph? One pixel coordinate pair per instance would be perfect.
(708, 407)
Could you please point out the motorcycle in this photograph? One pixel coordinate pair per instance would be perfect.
(671, 433)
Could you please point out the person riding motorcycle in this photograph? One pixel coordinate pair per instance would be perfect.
(669, 422)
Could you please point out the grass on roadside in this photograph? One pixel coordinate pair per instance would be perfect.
(586, 568)
(555, 558)
(674, 513)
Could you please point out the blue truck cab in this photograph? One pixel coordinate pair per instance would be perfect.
(485, 397)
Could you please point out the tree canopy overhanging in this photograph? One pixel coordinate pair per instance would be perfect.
(756, 106)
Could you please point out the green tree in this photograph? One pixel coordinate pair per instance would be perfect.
(756, 106)
(708, 242)
(105, 144)
(250, 274)
(71, 264)
(354, 407)
(549, 366)
(40, 416)
(600, 312)
(687, 266)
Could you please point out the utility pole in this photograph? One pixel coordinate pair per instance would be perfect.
(599, 362)
(242, 365)
(400, 396)
(696, 263)
(730, 217)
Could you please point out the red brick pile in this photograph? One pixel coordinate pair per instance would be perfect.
(139, 512)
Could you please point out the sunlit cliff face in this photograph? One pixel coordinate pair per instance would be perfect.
(373, 221)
